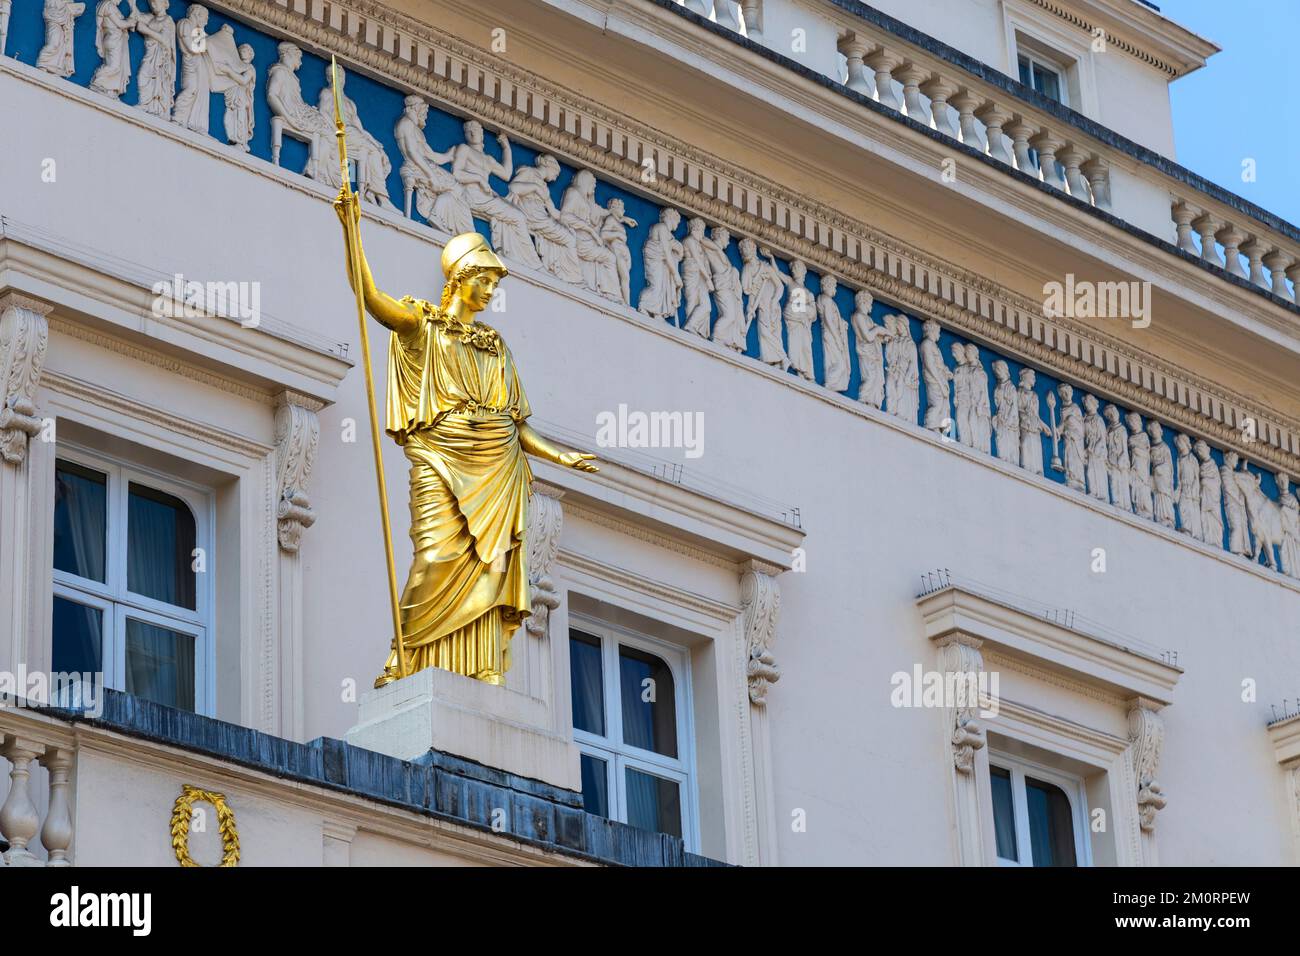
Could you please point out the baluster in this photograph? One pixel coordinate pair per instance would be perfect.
(19, 820)
(1232, 239)
(1276, 262)
(1206, 226)
(1020, 131)
(884, 64)
(1183, 215)
(1071, 158)
(911, 75)
(1098, 172)
(725, 14)
(56, 835)
(965, 102)
(1047, 146)
(753, 13)
(1293, 273)
(940, 91)
(855, 52)
(994, 118)
(1254, 250)
(702, 7)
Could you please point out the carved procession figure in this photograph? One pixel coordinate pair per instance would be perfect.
(800, 311)
(760, 280)
(112, 33)
(961, 396)
(473, 168)
(1095, 451)
(1234, 507)
(155, 83)
(1162, 475)
(530, 192)
(56, 55)
(291, 116)
(938, 393)
(580, 212)
(1265, 516)
(835, 338)
(613, 232)
(191, 106)
(1139, 449)
(729, 328)
(980, 412)
(1211, 497)
(1006, 414)
(435, 193)
(1118, 461)
(1032, 426)
(1070, 431)
(661, 259)
(1188, 489)
(373, 164)
(239, 98)
(902, 371)
(696, 279)
(1290, 512)
(869, 339)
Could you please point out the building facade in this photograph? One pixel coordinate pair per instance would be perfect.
(914, 361)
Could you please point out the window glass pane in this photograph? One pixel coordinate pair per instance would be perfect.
(595, 785)
(80, 520)
(1051, 826)
(160, 664)
(160, 542)
(649, 702)
(78, 638)
(1026, 72)
(1047, 82)
(653, 803)
(586, 677)
(1004, 814)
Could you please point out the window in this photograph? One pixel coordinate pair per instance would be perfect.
(1042, 75)
(631, 707)
(1039, 815)
(129, 602)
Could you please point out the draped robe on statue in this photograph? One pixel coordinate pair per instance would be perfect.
(455, 404)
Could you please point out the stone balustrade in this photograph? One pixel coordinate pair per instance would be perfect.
(36, 816)
(1236, 244)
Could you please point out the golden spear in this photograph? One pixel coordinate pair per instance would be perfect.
(354, 264)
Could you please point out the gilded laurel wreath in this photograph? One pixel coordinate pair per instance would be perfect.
(183, 812)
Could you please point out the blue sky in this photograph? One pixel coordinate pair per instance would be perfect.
(1246, 102)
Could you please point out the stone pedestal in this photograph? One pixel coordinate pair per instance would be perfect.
(492, 725)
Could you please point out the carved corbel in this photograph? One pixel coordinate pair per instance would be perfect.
(545, 521)
(1146, 730)
(959, 655)
(24, 337)
(760, 600)
(297, 434)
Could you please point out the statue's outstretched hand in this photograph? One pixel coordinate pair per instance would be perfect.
(579, 460)
(348, 208)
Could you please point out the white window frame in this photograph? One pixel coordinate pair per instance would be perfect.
(116, 600)
(619, 756)
(1075, 791)
(1036, 59)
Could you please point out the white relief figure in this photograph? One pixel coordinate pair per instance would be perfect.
(1118, 462)
(473, 168)
(1162, 475)
(557, 246)
(961, 396)
(112, 31)
(60, 20)
(155, 83)
(800, 311)
(835, 338)
(1006, 414)
(902, 371)
(291, 116)
(1290, 511)
(1070, 431)
(729, 329)
(937, 376)
(1265, 517)
(613, 232)
(433, 190)
(580, 212)
(1187, 490)
(1211, 497)
(696, 279)
(870, 348)
(1094, 448)
(191, 107)
(372, 162)
(1234, 507)
(981, 416)
(239, 98)
(1032, 426)
(1139, 450)
(760, 280)
(661, 258)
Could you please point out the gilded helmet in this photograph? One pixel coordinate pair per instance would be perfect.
(469, 249)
